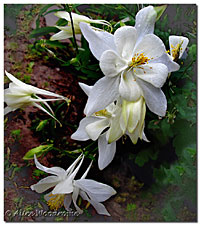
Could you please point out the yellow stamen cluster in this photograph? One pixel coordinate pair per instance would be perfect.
(138, 60)
(56, 201)
(176, 50)
(103, 112)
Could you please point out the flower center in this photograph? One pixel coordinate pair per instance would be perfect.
(176, 50)
(103, 112)
(138, 60)
(56, 201)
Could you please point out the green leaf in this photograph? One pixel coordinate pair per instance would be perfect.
(141, 158)
(168, 213)
(55, 44)
(41, 125)
(61, 22)
(43, 10)
(38, 151)
(160, 10)
(43, 31)
(185, 136)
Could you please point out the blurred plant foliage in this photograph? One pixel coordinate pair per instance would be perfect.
(177, 130)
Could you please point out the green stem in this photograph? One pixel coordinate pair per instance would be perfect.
(73, 31)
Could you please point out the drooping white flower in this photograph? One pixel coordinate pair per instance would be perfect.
(118, 118)
(67, 189)
(93, 192)
(66, 31)
(133, 114)
(61, 180)
(21, 95)
(134, 62)
(178, 45)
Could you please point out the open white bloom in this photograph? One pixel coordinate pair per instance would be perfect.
(134, 62)
(119, 119)
(66, 189)
(66, 31)
(21, 95)
(93, 127)
(177, 44)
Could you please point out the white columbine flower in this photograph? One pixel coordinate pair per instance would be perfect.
(177, 44)
(92, 127)
(134, 62)
(66, 31)
(66, 189)
(62, 180)
(119, 119)
(21, 95)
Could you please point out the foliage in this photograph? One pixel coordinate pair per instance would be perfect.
(175, 133)
(16, 134)
(38, 151)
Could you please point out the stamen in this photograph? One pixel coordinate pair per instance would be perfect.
(139, 60)
(103, 112)
(56, 201)
(176, 50)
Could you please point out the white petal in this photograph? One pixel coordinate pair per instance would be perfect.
(100, 208)
(154, 98)
(151, 46)
(96, 191)
(68, 29)
(15, 80)
(115, 131)
(106, 152)
(17, 101)
(104, 92)
(144, 137)
(53, 170)
(125, 38)
(74, 198)
(111, 64)
(66, 185)
(45, 184)
(70, 170)
(153, 73)
(128, 87)
(62, 35)
(167, 60)
(67, 202)
(99, 41)
(8, 109)
(63, 15)
(75, 17)
(95, 129)
(145, 21)
(81, 134)
(63, 187)
(133, 113)
(175, 40)
(44, 92)
(43, 109)
(18, 90)
(86, 88)
(135, 134)
(29, 88)
(86, 172)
